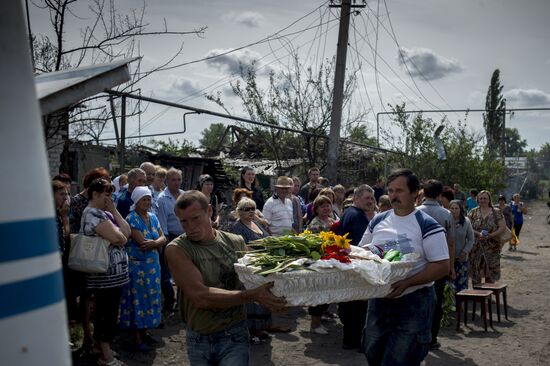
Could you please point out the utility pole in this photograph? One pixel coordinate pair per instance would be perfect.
(338, 94)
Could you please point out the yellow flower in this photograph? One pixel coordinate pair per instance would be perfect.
(343, 241)
(305, 232)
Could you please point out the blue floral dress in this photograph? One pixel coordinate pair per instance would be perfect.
(141, 298)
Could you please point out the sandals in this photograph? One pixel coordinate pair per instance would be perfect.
(113, 362)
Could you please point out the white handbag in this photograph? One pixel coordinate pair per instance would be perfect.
(89, 254)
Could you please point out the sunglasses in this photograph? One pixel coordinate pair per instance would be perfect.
(248, 209)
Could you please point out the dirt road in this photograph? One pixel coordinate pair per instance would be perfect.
(524, 339)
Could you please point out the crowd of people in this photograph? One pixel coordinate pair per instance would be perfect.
(161, 236)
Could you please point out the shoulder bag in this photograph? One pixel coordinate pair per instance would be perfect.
(89, 254)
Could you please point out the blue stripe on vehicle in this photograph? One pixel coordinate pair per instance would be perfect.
(35, 293)
(27, 239)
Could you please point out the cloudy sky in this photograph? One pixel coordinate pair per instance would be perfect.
(431, 54)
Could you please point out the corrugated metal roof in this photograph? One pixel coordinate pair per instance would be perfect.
(263, 166)
(60, 89)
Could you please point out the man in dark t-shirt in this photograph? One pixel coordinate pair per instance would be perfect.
(355, 222)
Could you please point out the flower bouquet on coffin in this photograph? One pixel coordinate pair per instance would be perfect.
(312, 269)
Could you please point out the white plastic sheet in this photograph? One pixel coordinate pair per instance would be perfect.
(325, 282)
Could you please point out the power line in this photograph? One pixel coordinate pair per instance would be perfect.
(361, 72)
(384, 76)
(223, 80)
(394, 37)
(263, 40)
(190, 97)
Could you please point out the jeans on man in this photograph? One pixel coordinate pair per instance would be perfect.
(439, 287)
(228, 347)
(166, 286)
(397, 331)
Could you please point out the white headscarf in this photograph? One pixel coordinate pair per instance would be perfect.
(116, 183)
(139, 193)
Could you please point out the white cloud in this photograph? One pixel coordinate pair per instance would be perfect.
(248, 18)
(232, 62)
(184, 87)
(528, 97)
(424, 63)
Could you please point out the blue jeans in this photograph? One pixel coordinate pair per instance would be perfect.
(229, 347)
(398, 331)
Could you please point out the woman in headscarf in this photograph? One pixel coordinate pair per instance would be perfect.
(141, 299)
(488, 224)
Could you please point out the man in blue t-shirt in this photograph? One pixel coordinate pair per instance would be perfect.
(136, 178)
(471, 202)
(355, 221)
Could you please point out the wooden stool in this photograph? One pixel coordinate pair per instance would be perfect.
(497, 289)
(481, 296)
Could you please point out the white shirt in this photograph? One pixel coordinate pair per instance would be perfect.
(279, 215)
(415, 233)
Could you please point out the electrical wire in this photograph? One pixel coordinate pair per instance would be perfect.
(392, 34)
(225, 79)
(263, 40)
(388, 65)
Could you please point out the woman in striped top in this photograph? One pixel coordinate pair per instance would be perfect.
(101, 218)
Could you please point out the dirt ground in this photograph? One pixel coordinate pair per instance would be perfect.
(524, 339)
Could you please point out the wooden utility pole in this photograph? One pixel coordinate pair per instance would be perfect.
(338, 94)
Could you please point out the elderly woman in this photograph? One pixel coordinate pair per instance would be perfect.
(231, 218)
(100, 218)
(488, 224)
(322, 221)
(464, 241)
(323, 192)
(76, 281)
(247, 225)
(80, 200)
(141, 299)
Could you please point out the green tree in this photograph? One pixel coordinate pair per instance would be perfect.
(300, 98)
(359, 133)
(515, 146)
(493, 119)
(176, 147)
(414, 146)
(214, 138)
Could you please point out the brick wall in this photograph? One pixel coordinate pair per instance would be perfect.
(57, 131)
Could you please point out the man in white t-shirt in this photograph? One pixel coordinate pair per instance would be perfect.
(398, 327)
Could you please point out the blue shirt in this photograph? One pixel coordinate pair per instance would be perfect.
(168, 220)
(355, 222)
(124, 202)
(470, 203)
(518, 215)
